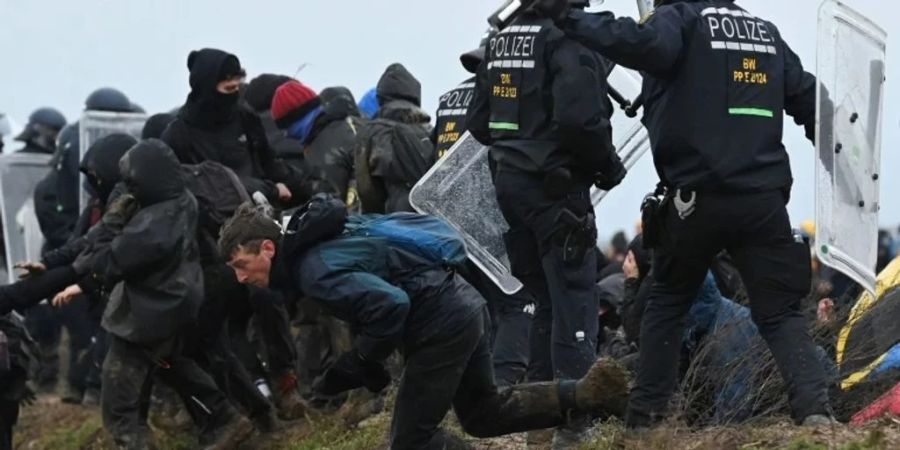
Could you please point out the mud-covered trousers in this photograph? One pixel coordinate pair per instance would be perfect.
(756, 231)
(454, 368)
(561, 276)
(128, 373)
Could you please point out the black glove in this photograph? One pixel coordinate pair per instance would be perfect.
(351, 371)
(613, 175)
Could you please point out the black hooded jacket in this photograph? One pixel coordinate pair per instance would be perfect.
(400, 96)
(100, 165)
(395, 148)
(152, 263)
(333, 138)
(215, 127)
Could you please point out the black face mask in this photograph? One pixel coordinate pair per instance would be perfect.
(206, 107)
(211, 110)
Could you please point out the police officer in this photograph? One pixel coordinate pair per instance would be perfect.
(717, 82)
(541, 104)
(511, 315)
(450, 122)
(39, 135)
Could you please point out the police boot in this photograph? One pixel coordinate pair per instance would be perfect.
(91, 398)
(572, 434)
(288, 401)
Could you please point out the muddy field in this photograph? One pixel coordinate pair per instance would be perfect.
(51, 425)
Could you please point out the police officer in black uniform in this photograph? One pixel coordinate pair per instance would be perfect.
(450, 122)
(541, 104)
(717, 82)
(511, 315)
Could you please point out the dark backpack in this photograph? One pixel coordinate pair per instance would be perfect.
(395, 151)
(219, 193)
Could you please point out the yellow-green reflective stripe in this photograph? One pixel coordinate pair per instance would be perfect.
(751, 112)
(504, 126)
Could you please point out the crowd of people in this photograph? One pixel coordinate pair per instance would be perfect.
(252, 256)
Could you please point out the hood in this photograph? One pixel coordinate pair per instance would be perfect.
(368, 105)
(152, 172)
(261, 91)
(156, 125)
(398, 84)
(206, 107)
(101, 162)
(320, 219)
(641, 255)
(339, 103)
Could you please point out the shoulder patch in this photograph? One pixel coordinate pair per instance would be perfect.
(647, 17)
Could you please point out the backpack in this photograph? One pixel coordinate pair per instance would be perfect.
(428, 237)
(395, 151)
(219, 192)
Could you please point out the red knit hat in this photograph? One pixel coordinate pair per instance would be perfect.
(292, 101)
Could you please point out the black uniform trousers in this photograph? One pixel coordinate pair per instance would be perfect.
(756, 231)
(564, 330)
(511, 317)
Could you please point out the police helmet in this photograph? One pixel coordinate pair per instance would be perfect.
(472, 59)
(108, 99)
(43, 122)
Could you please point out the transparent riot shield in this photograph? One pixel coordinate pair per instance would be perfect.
(95, 125)
(19, 174)
(458, 189)
(851, 73)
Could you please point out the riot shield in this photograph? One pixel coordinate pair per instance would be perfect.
(458, 189)
(851, 75)
(19, 174)
(98, 124)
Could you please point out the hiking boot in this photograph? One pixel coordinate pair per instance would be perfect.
(230, 435)
(288, 401)
(603, 390)
(818, 420)
(91, 398)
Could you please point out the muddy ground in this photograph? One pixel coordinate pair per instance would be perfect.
(51, 425)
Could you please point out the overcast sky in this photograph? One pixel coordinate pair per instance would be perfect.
(55, 52)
